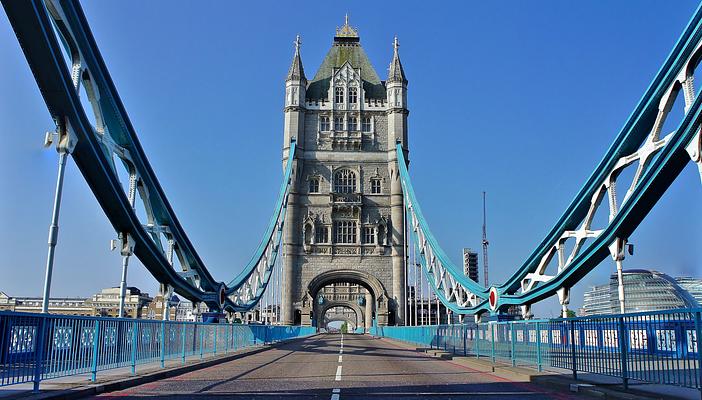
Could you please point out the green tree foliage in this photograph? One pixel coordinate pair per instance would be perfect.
(345, 327)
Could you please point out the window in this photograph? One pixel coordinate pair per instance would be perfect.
(353, 95)
(314, 185)
(375, 186)
(338, 123)
(345, 181)
(323, 123)
(345, 232)
(368, 235)
(353, 123)
(398, 99)
(321, 234)
(339, 94)
(366, 125)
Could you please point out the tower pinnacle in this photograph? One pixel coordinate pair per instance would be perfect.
(395, 72)
(296, 71)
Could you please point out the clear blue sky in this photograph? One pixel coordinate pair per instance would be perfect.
(517, 99)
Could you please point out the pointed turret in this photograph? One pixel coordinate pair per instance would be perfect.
(395, 72)
(296, 72)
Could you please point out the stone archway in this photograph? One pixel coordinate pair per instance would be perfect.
(378, 294)
(322, 310)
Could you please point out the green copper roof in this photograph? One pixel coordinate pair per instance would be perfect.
(346, 49)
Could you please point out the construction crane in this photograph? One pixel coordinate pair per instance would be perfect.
(485, 246)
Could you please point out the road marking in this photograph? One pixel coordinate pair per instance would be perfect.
(340, 357)
(338, 373)
(335, 397)
(336, 390)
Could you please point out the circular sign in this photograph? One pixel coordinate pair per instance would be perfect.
(493, 298)
(222, 295)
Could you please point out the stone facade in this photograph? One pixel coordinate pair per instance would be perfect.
(345, 210)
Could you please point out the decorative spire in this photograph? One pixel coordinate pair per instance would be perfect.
(296, 72)
(346, 31)
(396, 73)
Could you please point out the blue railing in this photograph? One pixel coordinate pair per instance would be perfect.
(654, 347)
(35, 347)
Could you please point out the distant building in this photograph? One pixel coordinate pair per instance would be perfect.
(644, 290)
(470, 264)
(137, 304)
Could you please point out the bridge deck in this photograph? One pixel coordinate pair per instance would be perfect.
(317, 367)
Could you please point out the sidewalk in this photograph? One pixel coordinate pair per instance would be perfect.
(593, 385)
(77, 386)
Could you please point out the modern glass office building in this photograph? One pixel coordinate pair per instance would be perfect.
(644, 290)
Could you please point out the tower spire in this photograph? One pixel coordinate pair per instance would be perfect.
(396, 73)
(296, 71)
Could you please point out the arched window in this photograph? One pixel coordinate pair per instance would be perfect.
(366, 124)
(339, 94)
(324, 123)
(314, 185)
(353, 95)
(353, 124)
(345, 181)
(375, 186)
(338, 123)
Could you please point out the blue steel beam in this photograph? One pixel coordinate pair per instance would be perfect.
(35, 23)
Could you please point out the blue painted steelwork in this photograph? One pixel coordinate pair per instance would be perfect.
(71, 345)
(654, 347)
(665, 159)
(42, 27)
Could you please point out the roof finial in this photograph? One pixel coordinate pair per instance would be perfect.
(395, 44)
(346, 19)
(297, 42)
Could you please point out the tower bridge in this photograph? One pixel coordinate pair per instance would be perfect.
(347, 234)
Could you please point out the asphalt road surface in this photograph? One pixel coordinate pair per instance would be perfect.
(337, 367)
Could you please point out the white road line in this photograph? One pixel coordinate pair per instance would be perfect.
(336, 390)
(335, 396)
(338, 373)
(340, 357)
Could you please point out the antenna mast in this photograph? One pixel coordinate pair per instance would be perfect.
(485, 246)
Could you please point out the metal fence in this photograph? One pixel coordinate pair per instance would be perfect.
(35, 347)
(654, 347)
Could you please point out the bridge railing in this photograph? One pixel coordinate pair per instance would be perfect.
(35, 347)
(653, 347)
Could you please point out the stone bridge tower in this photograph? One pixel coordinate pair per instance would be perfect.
(345, 219)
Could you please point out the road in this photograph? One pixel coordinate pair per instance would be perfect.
(337, 367)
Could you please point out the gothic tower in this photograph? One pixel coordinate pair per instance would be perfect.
(345, 219)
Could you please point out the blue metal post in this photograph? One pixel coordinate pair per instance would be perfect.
(214, 345)
(96, 348)
(465, 340)
(476, 340)
(513, 337)
(39, 335)
(572, 349)
(182, 356)
(134, 346)
(539, 366)
(623, 350)
(201, 339)
(226, 339)
(698, 337)
(492, 338)
(163, 344)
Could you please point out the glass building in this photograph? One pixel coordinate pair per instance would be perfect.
(644, 290)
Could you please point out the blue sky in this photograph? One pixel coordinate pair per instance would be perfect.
(518, 99)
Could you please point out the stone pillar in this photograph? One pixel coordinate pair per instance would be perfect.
(369, 310)
(290, 244)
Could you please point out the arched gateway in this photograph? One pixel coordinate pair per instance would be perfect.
(345, 216)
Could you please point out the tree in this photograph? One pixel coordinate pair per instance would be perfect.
(345, 327)
(570, 313)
